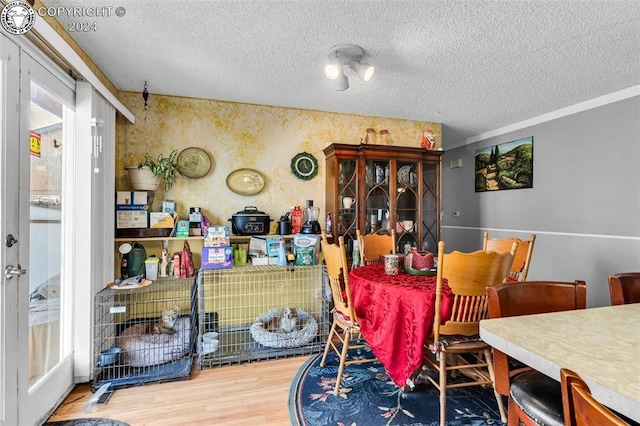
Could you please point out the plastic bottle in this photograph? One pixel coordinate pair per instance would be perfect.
(282, 253)
(296, 220)
(355, 255)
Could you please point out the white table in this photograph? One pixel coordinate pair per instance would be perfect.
(602, 345)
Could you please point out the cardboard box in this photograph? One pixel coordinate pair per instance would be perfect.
(217, 257)
(160, 220)
(132, 197)
(169, 206)
(260, 246)
(132, 207)
(182, 228)
(260, 261)
(132, 219)
(217, 236)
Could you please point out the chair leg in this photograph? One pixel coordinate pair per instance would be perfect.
(328, 345)
(443, 389)
(489, 360)
(514, 419)
(343, 359)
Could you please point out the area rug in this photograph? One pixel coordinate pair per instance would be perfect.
(87, 422)
(370, 398)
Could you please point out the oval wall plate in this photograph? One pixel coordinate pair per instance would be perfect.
(246, 181)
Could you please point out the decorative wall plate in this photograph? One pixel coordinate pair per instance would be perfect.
(194, 162)
(246, 181)
(304, 166)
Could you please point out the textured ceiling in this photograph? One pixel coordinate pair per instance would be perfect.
(474, 66)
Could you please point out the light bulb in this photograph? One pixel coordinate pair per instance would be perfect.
(332, 70)
(366, 71)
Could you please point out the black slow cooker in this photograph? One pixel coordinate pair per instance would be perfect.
(250, 221)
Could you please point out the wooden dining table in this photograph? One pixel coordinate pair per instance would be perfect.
(395, 313)
(601, 344)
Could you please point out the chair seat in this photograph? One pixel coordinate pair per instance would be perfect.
(458, 343)
(539, 396)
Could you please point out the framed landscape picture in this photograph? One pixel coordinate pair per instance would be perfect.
(508, 165)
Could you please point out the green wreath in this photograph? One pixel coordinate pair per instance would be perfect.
(304, 166)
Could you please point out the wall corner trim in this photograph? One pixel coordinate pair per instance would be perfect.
(563, 112)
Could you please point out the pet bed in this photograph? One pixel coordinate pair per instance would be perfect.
(143, 350)
(279, 339)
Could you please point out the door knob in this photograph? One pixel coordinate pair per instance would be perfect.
(11, 271)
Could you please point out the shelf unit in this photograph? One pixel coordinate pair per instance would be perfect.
(154, 245)
(391, 187)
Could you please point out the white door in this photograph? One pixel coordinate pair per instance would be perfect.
(9, 231)
(37, 296)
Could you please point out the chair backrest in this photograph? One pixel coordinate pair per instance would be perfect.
(468, 275)
(580, 407)
(624, 288)
(372, 246)
(335, 258)
(522, 259)
(530, 297)
(536, 297)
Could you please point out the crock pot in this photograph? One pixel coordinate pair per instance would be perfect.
(250, 221)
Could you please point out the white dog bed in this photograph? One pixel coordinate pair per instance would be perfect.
(308, 328)
(140, 350)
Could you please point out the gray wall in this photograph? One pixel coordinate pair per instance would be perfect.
(584, 206)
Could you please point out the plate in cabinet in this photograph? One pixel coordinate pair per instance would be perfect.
(404, 175)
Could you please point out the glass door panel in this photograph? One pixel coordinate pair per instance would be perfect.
(377, 214)
(406, 207)
(347, 201)
(430, 208)
(45, 214)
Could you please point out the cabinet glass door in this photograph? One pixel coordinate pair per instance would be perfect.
(430, 208)
(347, 201)
(406, 206)
(377, 214)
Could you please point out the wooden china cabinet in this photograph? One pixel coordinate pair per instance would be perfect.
(376, 188)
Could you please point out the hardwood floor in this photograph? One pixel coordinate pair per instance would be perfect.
(245, 394)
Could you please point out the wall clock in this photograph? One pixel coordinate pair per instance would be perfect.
(304, 166)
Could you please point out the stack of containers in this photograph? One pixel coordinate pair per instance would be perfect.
(217, 252)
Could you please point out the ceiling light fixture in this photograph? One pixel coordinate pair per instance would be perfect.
(346, 54)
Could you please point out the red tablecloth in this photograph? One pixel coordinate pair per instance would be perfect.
(396, 316)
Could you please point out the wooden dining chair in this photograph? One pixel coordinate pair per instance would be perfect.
(624, 288)
(345, 331)
(372, 246)
(455, 345)
(531, 394)
(580, 407)
(522, 259)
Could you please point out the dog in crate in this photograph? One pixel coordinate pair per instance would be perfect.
(156, 342)
(286, 320)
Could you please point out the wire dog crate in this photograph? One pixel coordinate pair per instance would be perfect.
(145, 334)
(235, 303)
